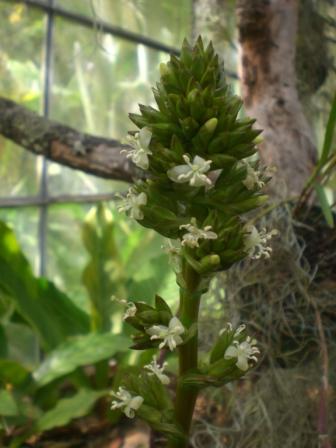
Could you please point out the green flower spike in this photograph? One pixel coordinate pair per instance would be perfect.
(199, 183)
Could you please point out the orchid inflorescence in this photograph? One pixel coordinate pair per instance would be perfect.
(198, 183)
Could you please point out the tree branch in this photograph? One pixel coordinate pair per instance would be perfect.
(92, 154)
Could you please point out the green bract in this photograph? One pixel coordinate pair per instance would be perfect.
(194, 153)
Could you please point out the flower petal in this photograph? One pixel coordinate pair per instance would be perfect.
(176, 326)
(242, 363)
(180, 174)
(231, 352)
(145, 137)
(136, 402)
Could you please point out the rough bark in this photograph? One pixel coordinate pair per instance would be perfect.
(267, 34)
(204, 13)
(92, 154)
(211, 21)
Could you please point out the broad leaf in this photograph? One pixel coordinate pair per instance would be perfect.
(12, 372)
(150, 279)
(79, 351)
(22, 344)
(68, 409)
(50, 312)
(8, 406)
(102, 275)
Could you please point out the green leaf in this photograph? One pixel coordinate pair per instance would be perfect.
(161, 305)
(3, 343)
(50, 312)
(12, 372)
(150, 278)
(79, 351)
(8, 405)
(102, 274)
(325, 206)
(329, 133)
(23, 344)
(68, 409)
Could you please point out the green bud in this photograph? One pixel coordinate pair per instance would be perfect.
(209, 263)
(149, 317)
(224, 368)
(164, 70)
(205, 134)
(192, 95)
(161, 305)
(211, 125)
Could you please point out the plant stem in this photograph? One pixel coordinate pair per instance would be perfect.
(188, 314)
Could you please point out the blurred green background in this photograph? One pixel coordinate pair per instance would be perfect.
(96, 79)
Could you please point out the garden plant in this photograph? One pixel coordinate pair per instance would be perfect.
(199, 184)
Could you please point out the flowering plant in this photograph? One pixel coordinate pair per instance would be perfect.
(198, 186)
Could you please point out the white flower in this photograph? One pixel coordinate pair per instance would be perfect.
(156, 370)
(254, 178)
(170, 335)
(174, 254)
(132, 204)
(131, 310)
(192, 172)
(194, 234)
(127, 401)
(140, 144)
(229, 328)
(244, 352)
(255, 243)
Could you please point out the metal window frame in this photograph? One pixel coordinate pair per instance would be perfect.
(42, 199)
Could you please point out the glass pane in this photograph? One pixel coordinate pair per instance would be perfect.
(66, 256)
(21, 44)
(139, 270)
(21, 55)
(166, 21)
(24, 222)
(18, 170)
(96, 84)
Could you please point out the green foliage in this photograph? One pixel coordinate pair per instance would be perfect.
(8, 406)
(77, 352)
(49, 311)
(324, 170)
(69, 408)
(35, 316)
(98, 235)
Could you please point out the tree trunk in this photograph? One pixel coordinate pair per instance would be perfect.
(204, 14)
(267, 34)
